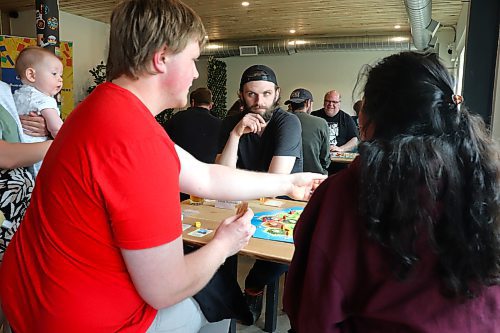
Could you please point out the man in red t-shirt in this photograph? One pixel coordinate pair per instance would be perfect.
(100, 248)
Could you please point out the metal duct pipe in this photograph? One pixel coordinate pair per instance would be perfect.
(420, 16)
(298, 45)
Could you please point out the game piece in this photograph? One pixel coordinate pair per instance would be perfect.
(242, 208)
(197, 224)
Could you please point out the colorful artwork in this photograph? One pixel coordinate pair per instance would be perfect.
(47, 23)
(9, 50)
(277, 225)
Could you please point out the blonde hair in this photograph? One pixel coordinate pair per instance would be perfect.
(29, 57)
(139, 28)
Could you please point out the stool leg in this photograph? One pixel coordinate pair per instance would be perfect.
(232, 326)
(272, 291)
(232, 263)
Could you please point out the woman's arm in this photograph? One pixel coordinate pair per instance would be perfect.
(15, 155)
(34, 125)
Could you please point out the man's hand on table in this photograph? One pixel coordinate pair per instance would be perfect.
(303, 184)
(34, 125)
(234, 232)
(336, 149)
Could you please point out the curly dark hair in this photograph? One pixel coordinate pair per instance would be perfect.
(429, 171)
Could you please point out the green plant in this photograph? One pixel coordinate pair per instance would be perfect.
(164, 116)
(216, 82)
(99, 76)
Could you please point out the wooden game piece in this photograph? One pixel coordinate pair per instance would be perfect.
(242, 208)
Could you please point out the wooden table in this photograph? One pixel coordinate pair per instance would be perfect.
(210, 218)
(281, 252)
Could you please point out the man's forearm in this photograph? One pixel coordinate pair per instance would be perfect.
(185, 275)
(224, 183)
(200, 267)
(350, 145)
(229, 155)
(218, 182)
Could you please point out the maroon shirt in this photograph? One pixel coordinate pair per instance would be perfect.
(340, 280)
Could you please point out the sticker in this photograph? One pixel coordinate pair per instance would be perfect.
(53, 23)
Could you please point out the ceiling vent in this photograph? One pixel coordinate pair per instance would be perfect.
(246, 51)
(222, 49)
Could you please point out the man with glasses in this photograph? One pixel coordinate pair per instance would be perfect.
(343, 132)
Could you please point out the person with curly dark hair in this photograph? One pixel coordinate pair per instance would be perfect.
(407, 239)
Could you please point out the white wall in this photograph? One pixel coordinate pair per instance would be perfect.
(462, 24)
(90, 44)
(317, 72)
(446, 40)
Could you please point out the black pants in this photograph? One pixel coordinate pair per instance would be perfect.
(336, 167)
(263, 273)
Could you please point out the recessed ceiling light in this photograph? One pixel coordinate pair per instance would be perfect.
(292, 31)
(397, 26)
(297, 42)
(245, 3)
(206, 37)
(213, 46)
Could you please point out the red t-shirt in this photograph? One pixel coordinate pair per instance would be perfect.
(109, 181)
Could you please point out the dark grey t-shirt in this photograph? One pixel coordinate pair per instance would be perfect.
(282, 137)
(315, 143)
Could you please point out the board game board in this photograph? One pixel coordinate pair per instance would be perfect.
(276, 225)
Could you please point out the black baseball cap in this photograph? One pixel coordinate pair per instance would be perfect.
(299, 96)
(258, 73)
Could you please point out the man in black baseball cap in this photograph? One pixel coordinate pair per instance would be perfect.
(259, 77)
(300, 95)
(263, 137)
(258, 73)
(315, 132)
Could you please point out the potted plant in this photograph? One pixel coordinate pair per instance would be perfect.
(99, 76)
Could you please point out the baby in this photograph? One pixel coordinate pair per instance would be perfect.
(41, 74)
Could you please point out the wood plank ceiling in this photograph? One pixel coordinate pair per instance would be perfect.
(267, 19)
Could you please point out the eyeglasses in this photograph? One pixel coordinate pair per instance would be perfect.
(333, 102)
